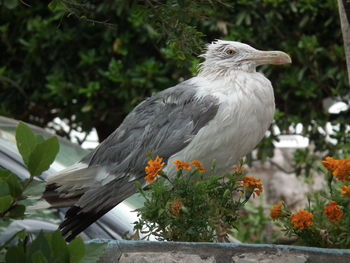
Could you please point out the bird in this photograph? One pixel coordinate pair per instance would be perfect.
(219, 115)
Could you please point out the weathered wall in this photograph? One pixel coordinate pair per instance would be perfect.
(164, 252)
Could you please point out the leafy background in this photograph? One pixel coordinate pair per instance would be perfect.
(91, 62)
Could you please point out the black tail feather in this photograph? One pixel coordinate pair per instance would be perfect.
(76, 221)
(94, 204)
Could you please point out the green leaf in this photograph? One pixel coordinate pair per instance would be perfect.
(59, 247)
(26, 141)
(15, 254)
(93, 252)
(14, 184)
(17, 211)
(38, 257)
(76, 250)
(5, 203)
(43, 156)
(56, 6)
(227, 193)
(4, 173)
(40, 244)
(11, 4)
(35, 188)
(4, 188)
(39, 139)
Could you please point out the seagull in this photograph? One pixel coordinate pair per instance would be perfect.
(219, 115)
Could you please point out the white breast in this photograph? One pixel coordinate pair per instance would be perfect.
(245, 113)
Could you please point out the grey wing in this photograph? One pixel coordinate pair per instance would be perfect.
(162, 125)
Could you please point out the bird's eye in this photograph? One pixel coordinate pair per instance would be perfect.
(230, 52)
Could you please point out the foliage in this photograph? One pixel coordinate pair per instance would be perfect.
(89, 72)
(254, 226)
(51, 247)
(91, 62)
(190, 207)
(325, 222)
(15, 195)
(37, 154)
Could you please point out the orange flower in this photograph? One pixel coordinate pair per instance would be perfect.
(252, 184)
(180, 165)
(239, 169)
(176, 207)
(153, 168)
(345, 190)
(339, 168)
(302, 220)
(333, 212)
(342, 170)
(276, 211)
(199, 166)
(330, 164)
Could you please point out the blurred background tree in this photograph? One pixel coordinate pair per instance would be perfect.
(91, 62)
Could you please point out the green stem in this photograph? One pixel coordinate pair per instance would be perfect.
(25, 185)
(329, 182)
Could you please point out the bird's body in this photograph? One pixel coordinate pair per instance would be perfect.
(220, 115)
(246, 110)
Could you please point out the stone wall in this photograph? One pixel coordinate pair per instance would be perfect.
(171, 252)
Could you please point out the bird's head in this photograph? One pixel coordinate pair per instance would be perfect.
(222, 57)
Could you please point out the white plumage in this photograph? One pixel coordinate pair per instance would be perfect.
(246, 110)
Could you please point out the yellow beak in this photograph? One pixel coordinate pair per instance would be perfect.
(271, 57)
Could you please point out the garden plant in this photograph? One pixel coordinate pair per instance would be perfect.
(197, 204)
(325, 222)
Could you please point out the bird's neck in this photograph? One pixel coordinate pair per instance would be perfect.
(214, 73)
(245, 84)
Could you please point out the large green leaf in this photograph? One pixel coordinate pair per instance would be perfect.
(38, 257)
(76, 250)
(43, 156)
(39, 139)
(59, 247)
(4, 187)
(15, 254)
(5, 203)
(26, 141)
(40, 244)
(14, 184)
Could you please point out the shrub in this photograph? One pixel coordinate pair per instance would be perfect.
(325, 223)
(194, 205)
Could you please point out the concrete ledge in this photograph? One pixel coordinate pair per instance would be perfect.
(148, 251)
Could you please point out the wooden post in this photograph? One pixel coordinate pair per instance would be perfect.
(344, 14)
